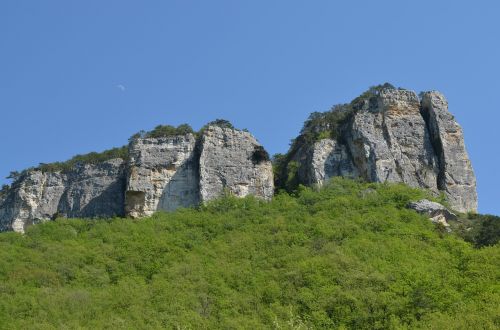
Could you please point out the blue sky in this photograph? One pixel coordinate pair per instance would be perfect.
(81, 76)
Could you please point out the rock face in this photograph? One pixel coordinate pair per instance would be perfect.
(385, 135)
(389, 141)
(456, 176)
(233, 160)
(393, 136)
(85, 191)
(161, 173)
(323, 160)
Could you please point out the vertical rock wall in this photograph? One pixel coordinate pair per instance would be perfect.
(162, 175)
(456, 177)
(232, 159)
(389, 141)
(85, 191)
(323, 160)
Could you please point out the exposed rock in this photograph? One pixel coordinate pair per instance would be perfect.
(85, 191)
(389, 141)
(456, 177)
(436, 212)
(392, 136)
(232, 160)
(162, 175)
(324, 159)
(386, 135)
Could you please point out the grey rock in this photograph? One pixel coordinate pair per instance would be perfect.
(436, 212)
(85, 191)
(323, 160)
(228, 162)
(395, 137)
(162, 175)
(456, 177)
(389, 141)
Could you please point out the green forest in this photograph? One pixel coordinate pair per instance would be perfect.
(348, 256)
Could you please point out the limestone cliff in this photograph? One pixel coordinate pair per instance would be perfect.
(159, 173)
(385, 135)
(392, 135)
(84, 191)
(233, 160)
(162, 175)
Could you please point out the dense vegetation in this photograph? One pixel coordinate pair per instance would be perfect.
(90, 158)
(4, 190)
(478, 229)
(165, 131)
(319, 125)
(348, 256)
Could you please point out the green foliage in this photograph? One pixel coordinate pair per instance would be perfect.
(349, 256)
(90, 158)
(286, 173)
(329, 124)
(223, 123)
(481, 230)
(165, 131)
(259, 155)
(4, 190)
(14, 175)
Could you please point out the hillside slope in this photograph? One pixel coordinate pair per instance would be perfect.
(348, 256)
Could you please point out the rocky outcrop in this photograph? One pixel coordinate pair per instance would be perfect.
(85, 191)
(436, 212)
(393, 136)
(389, 142)
(162, 175)
(233, 160)
(385, 135)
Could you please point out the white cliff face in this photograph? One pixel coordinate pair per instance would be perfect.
(392, 136)
(323, 160)
(85, 191)
(395, 137)
(162, 175)
(230, 160)
(456, 177)
(389, 141)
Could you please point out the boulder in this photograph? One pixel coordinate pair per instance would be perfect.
(436, 212)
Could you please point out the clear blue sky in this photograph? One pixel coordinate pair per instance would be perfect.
(81, 76)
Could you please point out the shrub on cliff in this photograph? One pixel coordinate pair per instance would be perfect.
(90, 158)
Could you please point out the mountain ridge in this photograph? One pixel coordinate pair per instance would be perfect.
(387, 134)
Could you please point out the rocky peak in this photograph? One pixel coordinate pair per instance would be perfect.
(389, 135)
